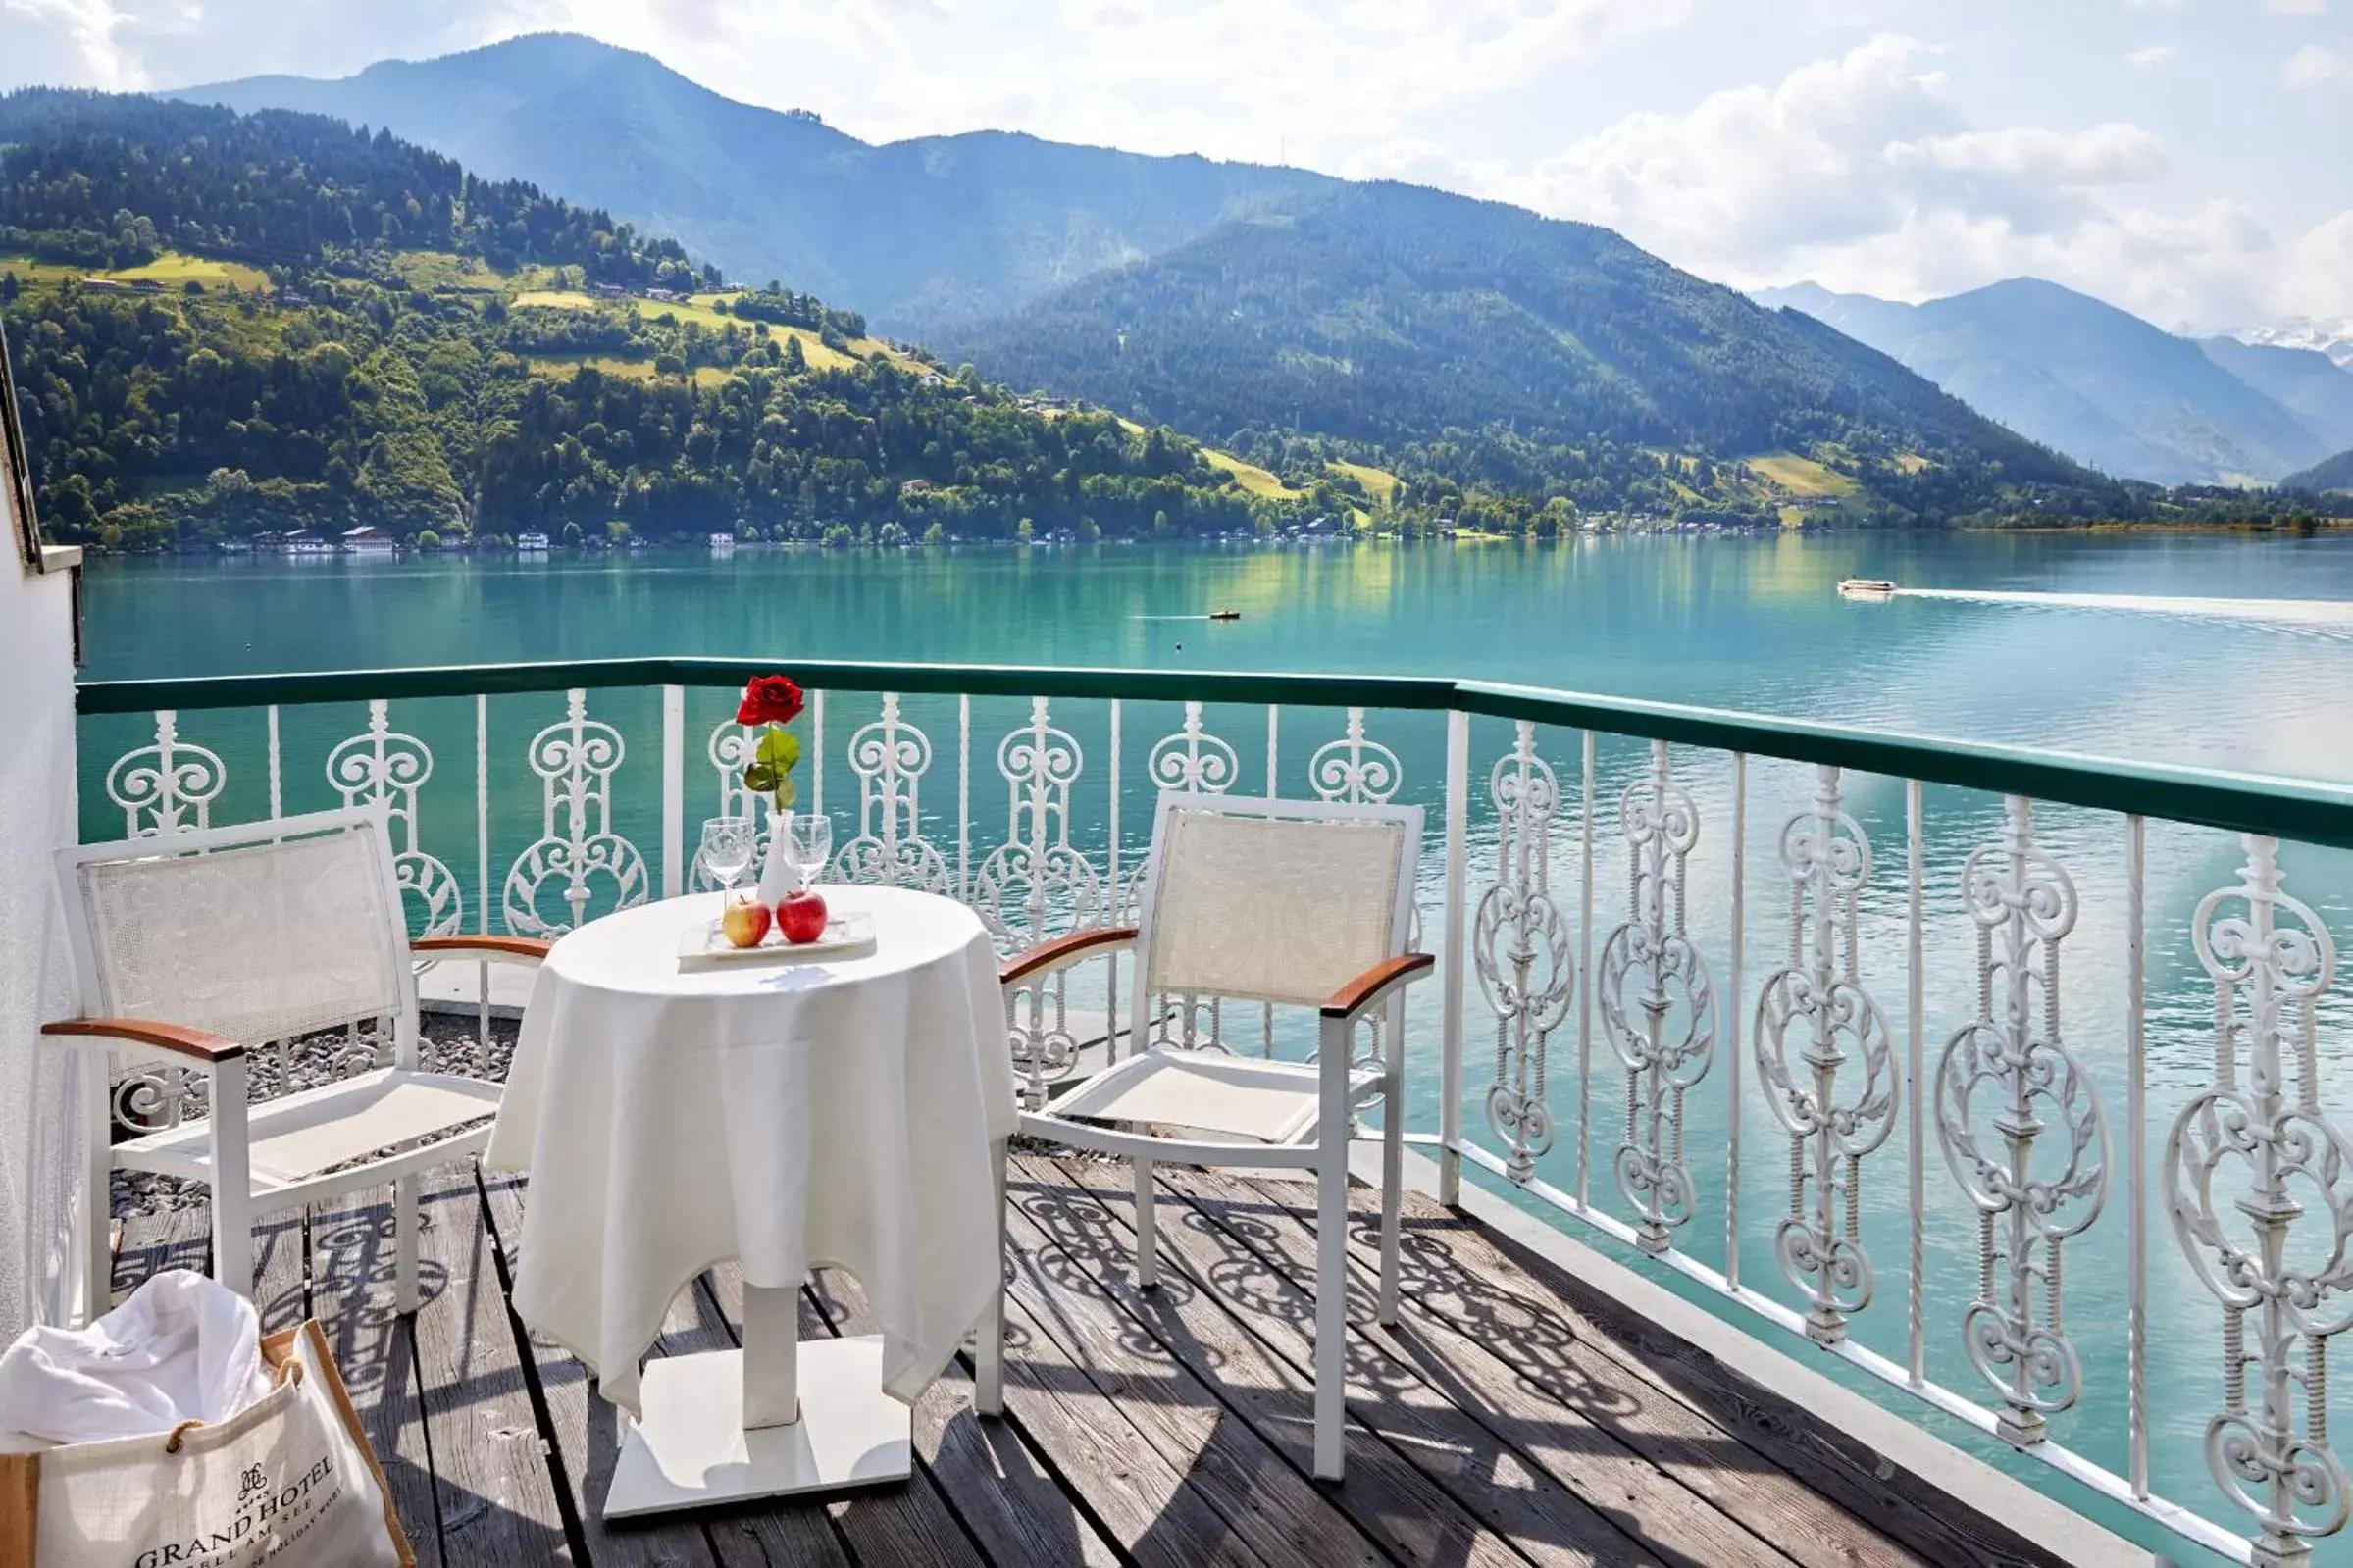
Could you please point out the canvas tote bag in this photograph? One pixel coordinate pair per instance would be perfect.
(289, 1481)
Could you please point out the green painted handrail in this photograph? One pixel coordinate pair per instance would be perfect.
(2286, 808)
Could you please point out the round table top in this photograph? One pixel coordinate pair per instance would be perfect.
(635, 951)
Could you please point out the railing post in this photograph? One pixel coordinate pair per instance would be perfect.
(1916, 1035)
(482, 858)
(1585, 978)
(277, 799)
(1740, 872)
(674, 789)
(1449, 1028)
(2136, 1158)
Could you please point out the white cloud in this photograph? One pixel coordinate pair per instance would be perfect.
(2151, 56)
(80, 35)
(2312, 65)
(1861, 172)
(2103, 155)
(1316, 81)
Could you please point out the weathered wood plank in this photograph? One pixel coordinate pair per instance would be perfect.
(375, 1348)
(585, 1430)
(1485, 1479)
(1418, 1367)
(1631, 1416)
(1385, 1495)
(491, 1466)
(1551, 1329)
(1271, 1506)
(1003, 1494)
(1145, 1500)
(175, 1239)
(909, 1523)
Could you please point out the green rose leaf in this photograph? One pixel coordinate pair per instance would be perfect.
(778, 750)
(759, 779)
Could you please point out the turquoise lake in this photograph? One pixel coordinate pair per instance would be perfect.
(2053, 640)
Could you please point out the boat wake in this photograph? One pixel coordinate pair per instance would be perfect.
(2326, 614)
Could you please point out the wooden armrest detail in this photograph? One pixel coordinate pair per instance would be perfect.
(175, 1037)
(1352, 996)
(1046, 955)
(531, 950)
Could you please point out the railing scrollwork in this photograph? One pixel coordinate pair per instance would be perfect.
(382, 767)
(577, 852)
(889, 758)
(2248, 1158)
(1657, 1003)
(1828, 1063)
(1521, 943)
(167, 787)
(2019, 1122)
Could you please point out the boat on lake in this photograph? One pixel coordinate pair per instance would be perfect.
(1866, 589)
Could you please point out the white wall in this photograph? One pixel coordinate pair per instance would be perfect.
(37, 813)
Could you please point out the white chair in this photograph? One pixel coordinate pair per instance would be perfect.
(192, 949)
(1251, 901)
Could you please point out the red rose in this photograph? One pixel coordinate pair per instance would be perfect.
(770, 699)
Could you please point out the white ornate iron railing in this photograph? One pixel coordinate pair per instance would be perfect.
(1893, 1033)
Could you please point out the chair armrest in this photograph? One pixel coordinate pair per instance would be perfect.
(1062, 950)
(176, 1038)
(519, 949)
(1374, 984)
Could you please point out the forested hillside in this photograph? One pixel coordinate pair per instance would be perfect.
(1499, 348)
(2335, 474)
(225, 324)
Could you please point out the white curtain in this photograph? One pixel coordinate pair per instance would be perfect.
(39, 1142)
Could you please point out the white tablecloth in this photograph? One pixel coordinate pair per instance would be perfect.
(788, 1115)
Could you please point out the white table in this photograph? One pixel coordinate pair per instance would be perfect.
(844, 1110)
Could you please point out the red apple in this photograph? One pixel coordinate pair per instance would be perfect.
(801, 916)
(744, 920)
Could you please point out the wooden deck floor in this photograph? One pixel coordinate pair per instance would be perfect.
(1512, 1417)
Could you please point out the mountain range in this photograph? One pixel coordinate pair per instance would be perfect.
(1477, 345)
(2106, 387)
(914, 233)
(1400, 317)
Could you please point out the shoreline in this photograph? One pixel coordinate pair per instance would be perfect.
(2303, 528)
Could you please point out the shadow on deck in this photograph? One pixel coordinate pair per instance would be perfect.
(1514, 1415)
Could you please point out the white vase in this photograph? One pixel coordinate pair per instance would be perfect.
(780, 878)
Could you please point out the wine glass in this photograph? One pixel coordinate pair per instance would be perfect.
(727, 849)
(808, 844)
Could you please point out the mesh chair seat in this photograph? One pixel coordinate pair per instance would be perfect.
(1207, 1092)
(300, 1136)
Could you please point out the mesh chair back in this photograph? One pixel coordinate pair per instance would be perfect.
(258, 933)
(1275, 901)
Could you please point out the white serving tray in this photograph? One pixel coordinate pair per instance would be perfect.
(850, 933)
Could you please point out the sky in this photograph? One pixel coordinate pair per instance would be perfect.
(2184, 159)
